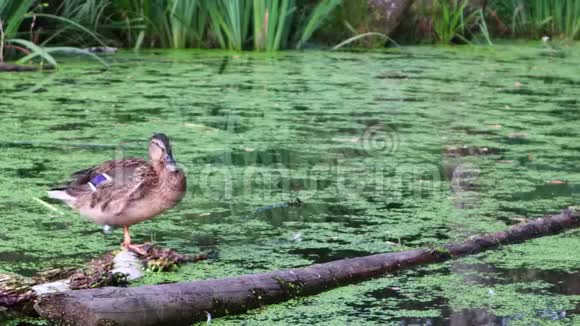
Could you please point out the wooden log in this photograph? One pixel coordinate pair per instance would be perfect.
(10, 67)
(18, 294)
(185, 303)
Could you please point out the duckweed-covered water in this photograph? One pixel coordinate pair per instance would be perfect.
(386, 151)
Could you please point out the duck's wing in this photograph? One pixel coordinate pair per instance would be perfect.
(106, 181)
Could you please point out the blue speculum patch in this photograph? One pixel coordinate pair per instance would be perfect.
(98, 179)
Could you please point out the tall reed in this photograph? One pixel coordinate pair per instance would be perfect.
(272, 20)
(449, 19)
(264, 25)
(89, 13)
(566, 17)
(316, 18)
(230, 21)
(536, 18)
(187, 20)
(12, 13)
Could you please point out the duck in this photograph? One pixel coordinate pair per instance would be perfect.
(126, 191)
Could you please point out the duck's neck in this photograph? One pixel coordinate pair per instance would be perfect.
(173, 184)
(165, 176)
(159, 167)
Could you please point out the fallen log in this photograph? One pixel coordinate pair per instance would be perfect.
(10, 67)
(185, 303)
(18, 294)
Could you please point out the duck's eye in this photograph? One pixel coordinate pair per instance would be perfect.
(167, 158)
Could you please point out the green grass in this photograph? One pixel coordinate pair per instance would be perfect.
(230, 21)
(565, 17)
(483, 27)
(316, 18)
(89, 13)
(272, 21)
(262, 25)
(536, 18)
(13, 14)
(449, 20)
(452, 20)
(187, 20)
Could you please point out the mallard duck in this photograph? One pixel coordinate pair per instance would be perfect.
(127, 191)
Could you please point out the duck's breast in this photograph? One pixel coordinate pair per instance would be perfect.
(143, 210)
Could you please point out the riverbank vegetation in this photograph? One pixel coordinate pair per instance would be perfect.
(27, 27)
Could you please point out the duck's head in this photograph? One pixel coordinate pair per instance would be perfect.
(160, 152)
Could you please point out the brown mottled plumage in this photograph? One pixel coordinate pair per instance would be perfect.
(127, 191)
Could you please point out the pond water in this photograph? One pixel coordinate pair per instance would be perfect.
(386, 151)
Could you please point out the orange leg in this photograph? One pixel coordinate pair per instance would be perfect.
(127, 243)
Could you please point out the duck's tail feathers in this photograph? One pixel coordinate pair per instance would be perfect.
(61, 195)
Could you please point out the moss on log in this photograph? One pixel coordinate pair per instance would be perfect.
(185, 303)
